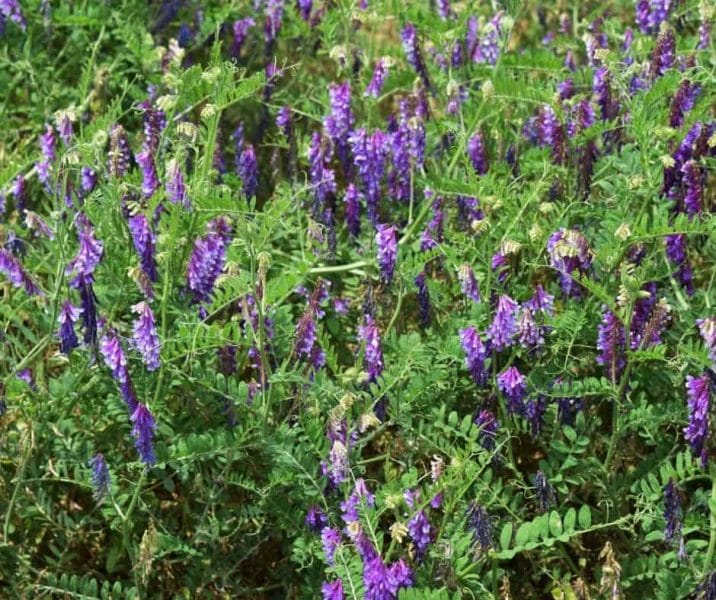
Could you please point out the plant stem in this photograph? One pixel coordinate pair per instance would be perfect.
(709, 559)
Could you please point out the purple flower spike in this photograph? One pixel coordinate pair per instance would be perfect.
(330, 539)
(114, 357)
(248, 171)
(699, 400)
(677, 254)
(48, 143)
(664, 55)
(513, 385)
(10, 9)
(683, 101)
(119, 156)
(373, 358)
(339, 123)
(316, 519)
(69, 315)
(207, 259)
(481, 524)
(352, 200)
(611, 345)
(175, 187)
(468, 283)
(12, 269)
(101, 479)
(545, 492)
(145, 337)
(477, 153)
(375, 87)
(383, 582)
(333, 590)
(421, 533)
(240, 30)
(503, 328)
(707, 328)
(475, 354)
(144, 243)
(150, 181)
(386, 241)
(143, 428)
(672, 516)
(88, 180)
(568, 253)
(488, 426)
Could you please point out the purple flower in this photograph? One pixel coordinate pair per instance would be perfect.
(609, 108)
(672, 516)
(423, 299)
(316, 519)
(481, 524)
(550, 133)
(443, 8)
(332, 590)
(651, 13)
(411, 47)
(330, 539)
(386, 241)
(339, 123)
(248, 171)
(375, 87)
(677, 254)
(114, 357)
(101, 479)
(284, 121)
(534, 413)
(88, 180)
(10, 9)
(175, 187)
(323, 180)
(565, 89)
(682, 102)
(475, 354)
(664, 54)
(240, 29)
(274, 19)
(145, 243)
(611, 345)
(487, 426)
(150, 181)
(119, 156)
(48, 143)
(707, 328)
(352, 201)
(707, 588)
(143, 428)
(541, 301)
(88, 256)
(12, 269)
(477, 153)
(369, 154)
(421, 533)
(468, 283)
(693, 181)
(488, 48)
(513, 385)
(373, 358)
(568, 252)
(433, 233)
(503, 328)
(383, 582)
(529, 334)
(64, 128)
(154, 123)
(697, 431)
(207, 259)
(69, 314)
(469, 213)
(145, 338)
(545, 492)
(704, 43)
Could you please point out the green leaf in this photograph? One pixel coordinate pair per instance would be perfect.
(585, 517)
(506, 536)
(555, 523)
(570, 519)
(523, 534)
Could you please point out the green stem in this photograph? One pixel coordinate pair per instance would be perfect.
(20, 473)
(709, 559)
(127, 528)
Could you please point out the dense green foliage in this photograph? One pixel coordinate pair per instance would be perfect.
(246, 421)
